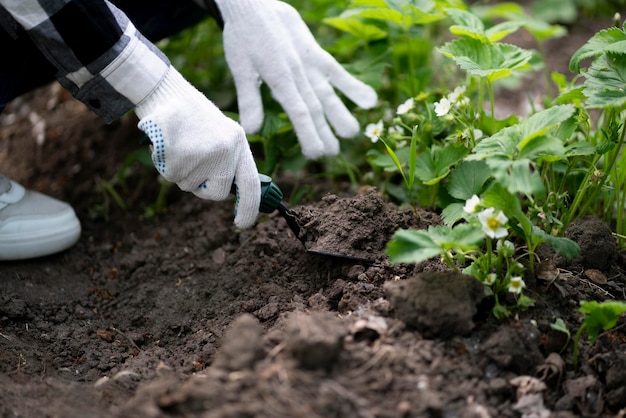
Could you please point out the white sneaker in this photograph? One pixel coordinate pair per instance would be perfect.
(32, 224)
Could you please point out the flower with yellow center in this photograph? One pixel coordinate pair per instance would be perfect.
(516, 285)
(490, 279)
(493, 223)
(374, 130)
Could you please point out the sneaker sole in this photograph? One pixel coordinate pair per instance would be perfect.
(42, 241)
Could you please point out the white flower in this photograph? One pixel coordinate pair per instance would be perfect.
(490, 279)
(477, 133)
(456, 95)
(493, 223)
(471, 204)
(442, 107)
(505, 245)
(516, 285)
(374, 130)
(405, 107)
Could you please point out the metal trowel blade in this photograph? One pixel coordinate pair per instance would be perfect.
(293, 222)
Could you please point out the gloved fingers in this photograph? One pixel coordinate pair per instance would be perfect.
(340, 118)
(357, 91)
(249, 99)
(248, 191)
(314, 134)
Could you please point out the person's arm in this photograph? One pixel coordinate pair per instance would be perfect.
(100, 56)
(112, 68)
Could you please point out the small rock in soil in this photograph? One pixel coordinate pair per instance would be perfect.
(315, 340)
(515, 348)
(242, 346)
(438, 304)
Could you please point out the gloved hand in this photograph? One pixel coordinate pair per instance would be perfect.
(197, 147)
(267, 41)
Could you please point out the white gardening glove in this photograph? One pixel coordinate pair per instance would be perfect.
(267, 41)
(197, 147)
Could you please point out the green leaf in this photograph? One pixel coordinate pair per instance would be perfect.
(515, 15)
(490, 61)
(410, 246)
(542, 122)
(420, 11)
(381, 160)
(433, 165)
(467, 24)
(571, 95)
(401, 13)
(559, 325)
(468, 179)
(606, 81)
(518, 176)
(414, 246)
(452, 213)
(562, 245)
(357, 28)
(579, 148)
(600, 316)
(502, 30)
(521, 140)
(607, 40)
(543, 145)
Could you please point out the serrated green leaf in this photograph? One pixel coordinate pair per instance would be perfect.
(513, 140)
(468, 178)
(411, 246)
(607, 40)
(542, 122)
(452, 213)
(490, 61)
(600, 316)
(414, 246)
(434, 164)
(605, 84)
(518, 176)
(579, 149)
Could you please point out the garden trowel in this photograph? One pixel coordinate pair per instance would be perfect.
(271, 200)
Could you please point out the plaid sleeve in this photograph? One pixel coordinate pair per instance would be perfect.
(100, 56)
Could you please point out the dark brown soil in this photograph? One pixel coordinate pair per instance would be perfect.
(183, 315)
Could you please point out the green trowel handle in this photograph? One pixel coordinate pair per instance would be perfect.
(271, 195)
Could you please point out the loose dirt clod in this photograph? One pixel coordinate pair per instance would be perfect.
(437, 304)
(355, 226)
